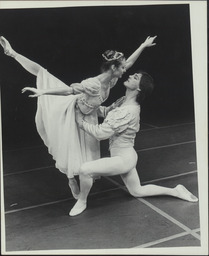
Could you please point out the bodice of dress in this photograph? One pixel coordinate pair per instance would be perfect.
(120, 126)
(90, 95)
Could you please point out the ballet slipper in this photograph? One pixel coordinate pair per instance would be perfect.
(7, 47)
(74, 188)
(184, 194)
(78, 208)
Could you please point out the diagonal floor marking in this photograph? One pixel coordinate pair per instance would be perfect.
(151, 181)
(55, 202)
(112, 181)
(164, 127)
(196, 230)
(166, 146)
(167, 216)
(144, 130)
(151, 125)
(161, 240)
(29, 170)
(170, 177)
(140, 150)
(159, 211)
(164, 239)
(37, 205)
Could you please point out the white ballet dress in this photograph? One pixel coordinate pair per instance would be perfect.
(55, 121)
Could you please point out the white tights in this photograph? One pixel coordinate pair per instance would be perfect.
(123, 162)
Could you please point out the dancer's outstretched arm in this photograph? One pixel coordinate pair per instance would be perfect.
(59, 91)
(27, 64)
(74, 88)
(147, 43)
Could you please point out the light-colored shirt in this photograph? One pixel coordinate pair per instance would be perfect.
(120, 126)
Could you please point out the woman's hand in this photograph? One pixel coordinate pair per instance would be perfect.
(36, 92)
(79, 117)
(134, 56)
(149, 41)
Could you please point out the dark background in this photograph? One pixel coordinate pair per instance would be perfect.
(69, 43)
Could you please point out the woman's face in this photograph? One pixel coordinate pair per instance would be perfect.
(120, 70)
(133, 81)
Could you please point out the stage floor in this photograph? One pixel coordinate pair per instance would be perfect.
(38, 199)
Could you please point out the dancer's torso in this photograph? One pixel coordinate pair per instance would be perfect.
(93, 95)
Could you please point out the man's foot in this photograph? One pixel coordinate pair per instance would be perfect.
(78, 208)
(184, 194)
(74, 188)
(7, 47)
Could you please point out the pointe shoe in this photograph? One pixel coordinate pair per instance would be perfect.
(75, 195)
(184, 194)
(78, 208)
(7, 47)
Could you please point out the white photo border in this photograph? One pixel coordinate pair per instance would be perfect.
(198, 14)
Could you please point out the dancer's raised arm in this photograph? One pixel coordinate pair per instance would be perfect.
(29, 65)
(147, 43)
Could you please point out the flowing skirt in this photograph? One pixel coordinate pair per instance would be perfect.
(55, 122)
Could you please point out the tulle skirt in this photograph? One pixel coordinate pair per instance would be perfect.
(55, 122)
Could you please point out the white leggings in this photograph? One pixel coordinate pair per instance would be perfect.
(122, 162)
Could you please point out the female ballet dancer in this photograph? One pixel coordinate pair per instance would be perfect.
(55, 116)
(121, 125)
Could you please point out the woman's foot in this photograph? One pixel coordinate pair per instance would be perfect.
(74, 188)
(7, 47)
(78, 208)
(184, 194)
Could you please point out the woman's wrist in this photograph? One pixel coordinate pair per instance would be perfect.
(14, 54)
(143, 45)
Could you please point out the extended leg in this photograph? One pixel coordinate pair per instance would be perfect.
(29, 65)
(132, 182)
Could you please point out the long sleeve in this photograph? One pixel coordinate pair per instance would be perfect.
(103, 111)
(77, 88)
(100, 132)
(90, 86)
(116, 122)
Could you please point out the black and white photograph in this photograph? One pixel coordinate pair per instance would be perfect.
(103, 127)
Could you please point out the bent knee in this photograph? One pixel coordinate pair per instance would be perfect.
(85, 169)
(136, 193)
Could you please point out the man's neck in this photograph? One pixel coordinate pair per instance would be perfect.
(130, 98)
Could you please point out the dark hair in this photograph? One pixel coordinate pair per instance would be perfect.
(146, 86)
(111, 57)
